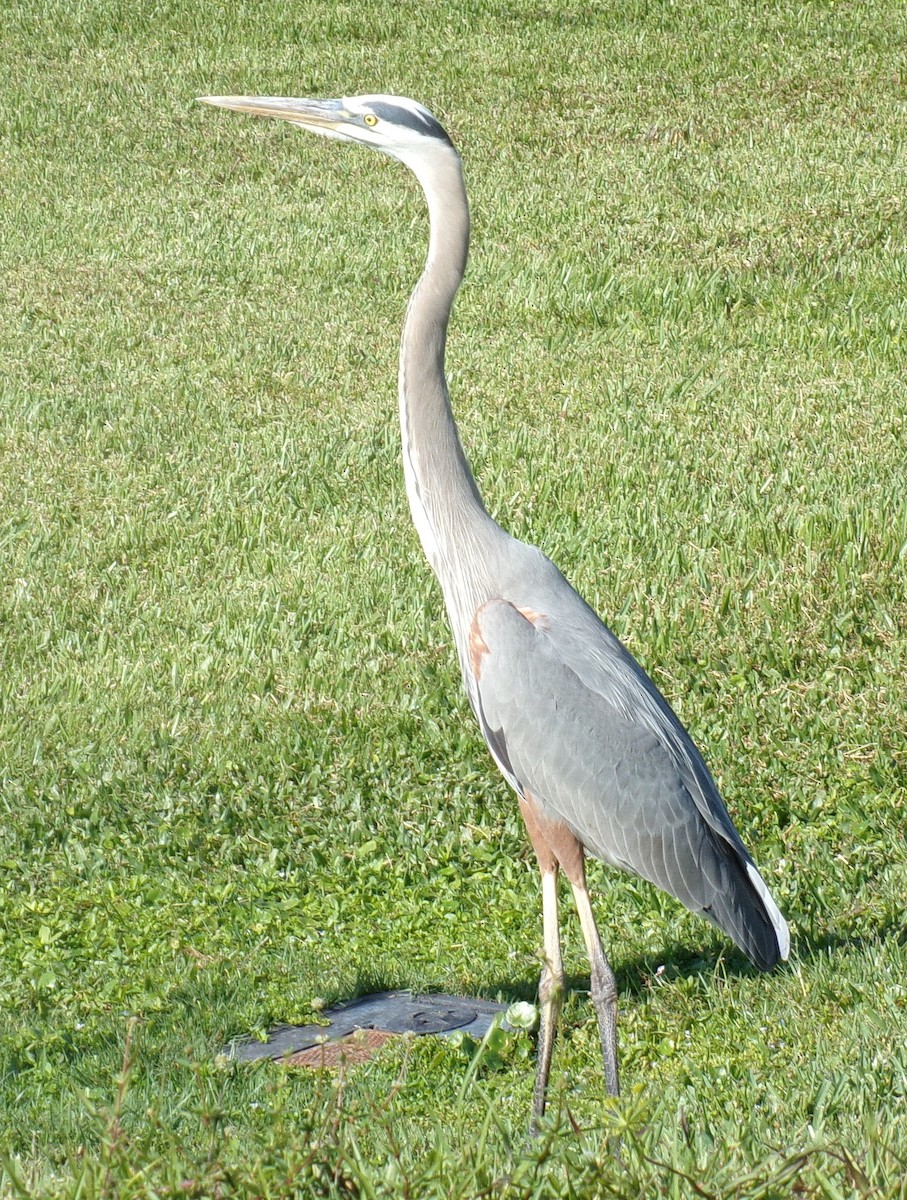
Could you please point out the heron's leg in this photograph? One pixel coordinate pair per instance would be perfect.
(555, 847)
(551, 992)
(604, 985)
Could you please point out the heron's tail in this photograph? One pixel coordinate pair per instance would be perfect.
(747, 913)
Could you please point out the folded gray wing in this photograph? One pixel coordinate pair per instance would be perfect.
(613, 779)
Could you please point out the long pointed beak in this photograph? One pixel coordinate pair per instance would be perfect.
(327, 117)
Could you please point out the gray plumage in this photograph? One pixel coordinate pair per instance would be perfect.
(599, 760)
(644, 801)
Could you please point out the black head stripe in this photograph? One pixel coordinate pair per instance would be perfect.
(419, 122)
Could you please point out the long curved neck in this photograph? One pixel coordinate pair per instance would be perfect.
(447, 510)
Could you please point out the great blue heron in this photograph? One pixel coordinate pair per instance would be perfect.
(599, 761)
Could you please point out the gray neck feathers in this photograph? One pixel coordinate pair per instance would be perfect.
(456, 532)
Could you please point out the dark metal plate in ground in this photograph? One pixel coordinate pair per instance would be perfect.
(388, 1012)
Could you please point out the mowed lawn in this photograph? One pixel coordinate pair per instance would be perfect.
(237, 774)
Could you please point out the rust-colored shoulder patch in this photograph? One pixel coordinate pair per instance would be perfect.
(539, 620)
(478, 647)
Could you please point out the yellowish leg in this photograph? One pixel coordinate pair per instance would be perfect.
(551, 994)
(604, 986)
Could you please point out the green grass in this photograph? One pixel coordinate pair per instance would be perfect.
(237, 771)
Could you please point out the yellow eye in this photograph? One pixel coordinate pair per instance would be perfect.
(370, 119)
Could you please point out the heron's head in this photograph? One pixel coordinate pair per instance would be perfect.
(396, 126)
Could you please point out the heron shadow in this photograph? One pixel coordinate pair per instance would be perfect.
(678, 961)
(634, 976)
(638, 974)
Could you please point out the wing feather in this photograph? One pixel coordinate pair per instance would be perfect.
(633, 789)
